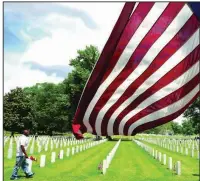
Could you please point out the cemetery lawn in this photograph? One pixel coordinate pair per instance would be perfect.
(130, 163)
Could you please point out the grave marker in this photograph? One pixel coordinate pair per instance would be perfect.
(170, 163)
(164, 159)
(178, 168)
(61, 154)
(42, 160)
(53, 157)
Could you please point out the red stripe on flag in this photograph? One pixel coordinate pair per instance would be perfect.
(123, 31)
(100, 67)
(136, 19)
(180, 38)
(156, 31)
(163, 120)
(164, 102)
(174, 73)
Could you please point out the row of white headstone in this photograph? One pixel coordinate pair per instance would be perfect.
(56, 145)
(60, 142)
(158, 156)
(73, 151)
(107, 161)
(175, 148)
(186, 143)
(43, 142)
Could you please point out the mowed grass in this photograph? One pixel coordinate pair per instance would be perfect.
(189, 165)
(131, 163)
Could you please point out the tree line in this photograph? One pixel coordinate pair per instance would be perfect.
(47, 108)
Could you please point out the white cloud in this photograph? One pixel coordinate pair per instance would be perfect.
(68, 34)
(62, 45)
(18, 75)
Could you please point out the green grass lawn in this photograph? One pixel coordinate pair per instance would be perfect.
(189, 165)
(131, 163)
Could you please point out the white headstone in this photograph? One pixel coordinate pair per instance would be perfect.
(32, 146)
(61, 154)
(10, 152)
(178, 168)
(164, 159)
(107, 161)
(42, 160)
(77, 149)
(153, 153)
(10, 149)
(73, 150)
(186, 151)
(170, 163)
(68, 152)
(51, 145)
(177, 148)
(104, 167)
(192, 153)
(160, 156)
(156, 154)
(46, 147)
(53, 157)
(181, 149)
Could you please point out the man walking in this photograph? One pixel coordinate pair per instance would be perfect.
(21, 156)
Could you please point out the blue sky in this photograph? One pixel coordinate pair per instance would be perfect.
(41, 38)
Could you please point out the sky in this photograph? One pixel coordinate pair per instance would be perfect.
(41, 38)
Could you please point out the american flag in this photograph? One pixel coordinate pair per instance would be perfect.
(148, 72)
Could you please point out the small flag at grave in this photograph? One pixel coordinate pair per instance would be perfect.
(33, 158)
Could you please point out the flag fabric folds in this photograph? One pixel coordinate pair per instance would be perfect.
(148, 72)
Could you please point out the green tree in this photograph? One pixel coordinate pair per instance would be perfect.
(187, 127)
(76, 80)
(17, 111)
(50, 105)
(176, 128)
(192, 114)
(167, 128)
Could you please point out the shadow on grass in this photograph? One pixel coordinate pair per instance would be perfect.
(22, 176)
(196, 175)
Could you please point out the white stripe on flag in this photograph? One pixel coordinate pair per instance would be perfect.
(136, 4)
(187, 48)
(173, 86)
(166, 111)
(172, 62)
(143, 29)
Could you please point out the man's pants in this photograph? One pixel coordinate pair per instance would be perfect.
(21, 162)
